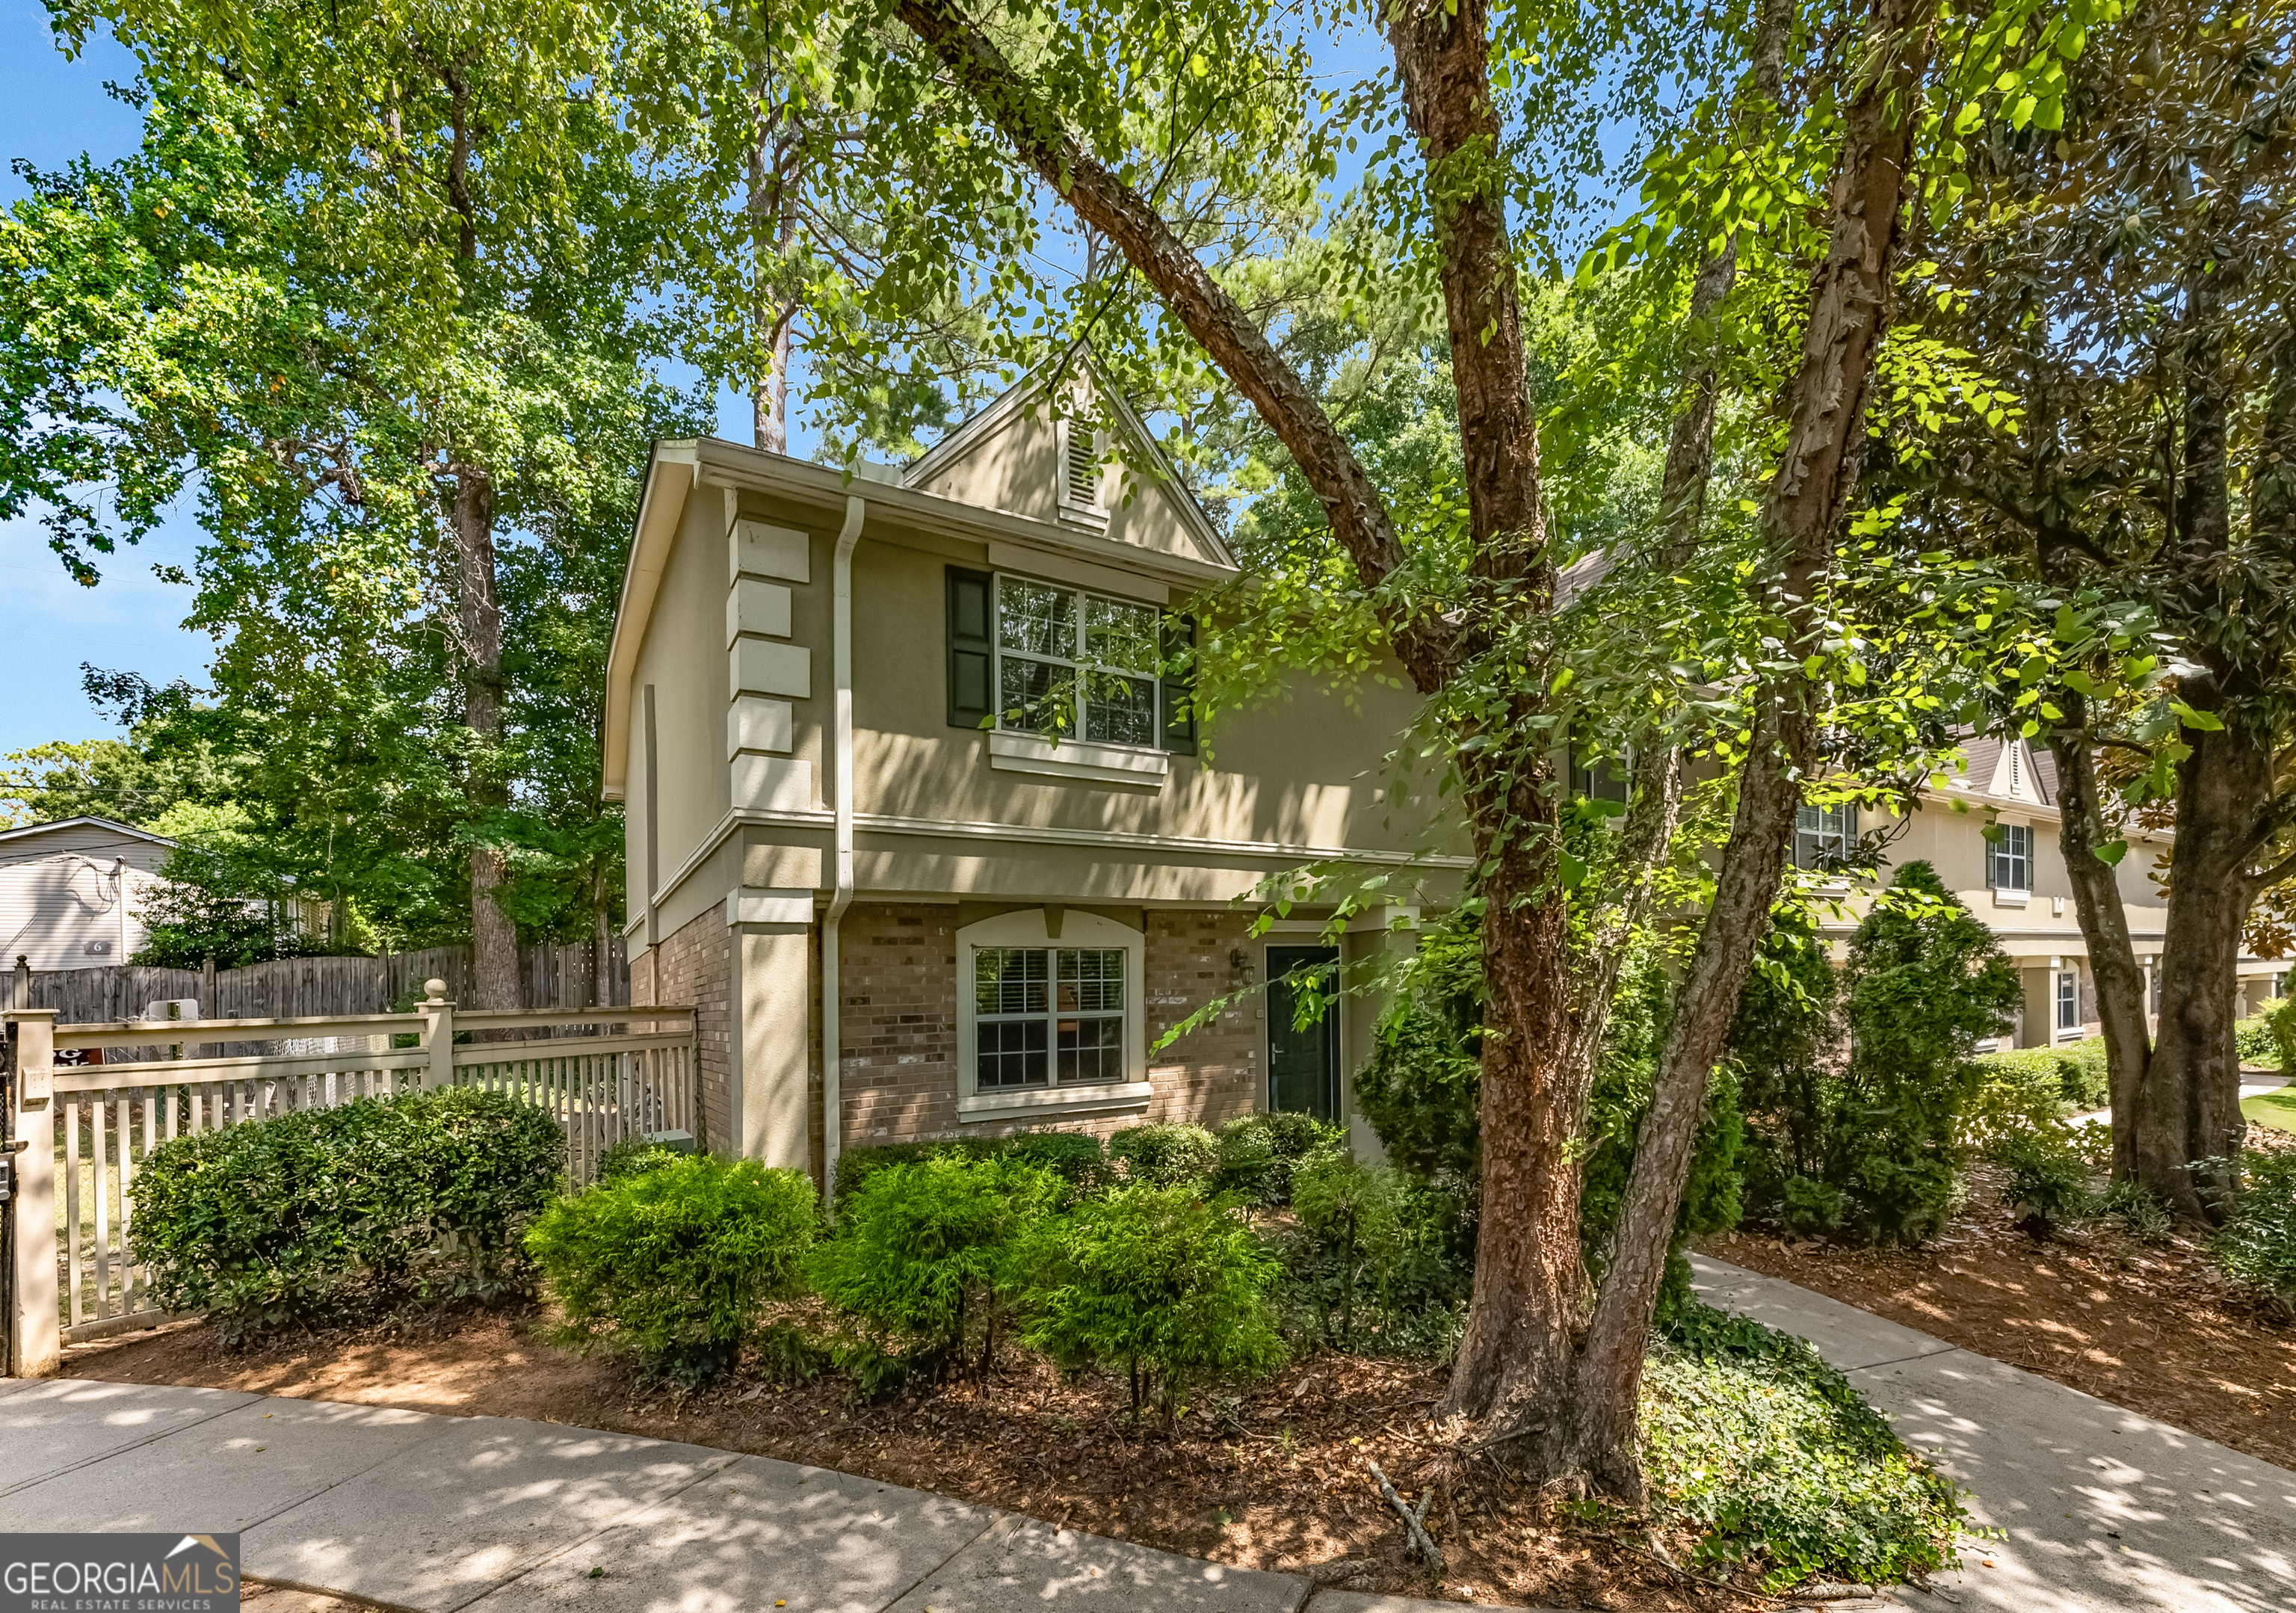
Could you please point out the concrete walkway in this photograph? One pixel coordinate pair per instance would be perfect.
(438, 1514)
(2105, 1511)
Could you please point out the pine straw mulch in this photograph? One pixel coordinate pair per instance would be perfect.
(1274, 1479)
(2150, 1327)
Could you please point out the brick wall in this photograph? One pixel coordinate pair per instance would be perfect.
(1212, 1074)
(899, 1076)
(696, 964)
(897, 968)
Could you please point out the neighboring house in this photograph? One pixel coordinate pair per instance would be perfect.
(71, 892)
(823, 807)
(2016, 882)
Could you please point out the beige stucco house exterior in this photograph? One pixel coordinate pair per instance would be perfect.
(897, 903)
(2015, 881)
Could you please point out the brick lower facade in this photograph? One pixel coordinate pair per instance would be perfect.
(898, 982)
(696, 965)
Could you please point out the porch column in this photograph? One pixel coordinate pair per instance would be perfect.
(1380, 933)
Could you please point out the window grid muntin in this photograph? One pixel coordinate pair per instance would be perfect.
(1823, 833)
(1068, 1028)
(2012, 857)
(1067, 688)
(2068, 999)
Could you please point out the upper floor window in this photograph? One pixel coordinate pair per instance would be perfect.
(2009, 860)
(1068, 663)
(1824, 835)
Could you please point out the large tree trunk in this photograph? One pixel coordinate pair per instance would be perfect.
(2187, 1101)
(772, 224)
(2103, 925)
(493, 938)
(1851, 298)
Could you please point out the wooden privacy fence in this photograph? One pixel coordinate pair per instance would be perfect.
(82, 1131)
(549, 977)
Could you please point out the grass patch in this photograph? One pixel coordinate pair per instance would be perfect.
(1770, 1457)
(2276, 1110)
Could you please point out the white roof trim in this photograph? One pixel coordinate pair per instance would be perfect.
(113, 825)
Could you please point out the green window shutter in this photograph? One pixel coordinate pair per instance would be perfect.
(972, 652)
(1177, 695)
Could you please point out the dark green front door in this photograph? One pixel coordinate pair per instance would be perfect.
(1303, 1065)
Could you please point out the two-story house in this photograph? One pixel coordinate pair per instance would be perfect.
(915, 820)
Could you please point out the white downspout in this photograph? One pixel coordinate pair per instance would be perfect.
(840, 663)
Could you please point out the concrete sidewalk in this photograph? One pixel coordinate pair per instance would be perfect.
(2105, 1511)
(436, 1514)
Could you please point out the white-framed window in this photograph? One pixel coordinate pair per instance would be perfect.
(1824, 834)
(1075, 664)
(2009, 860)
(2069, 999)
(1049, 1020)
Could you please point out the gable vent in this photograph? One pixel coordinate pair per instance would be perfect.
(1081, 466)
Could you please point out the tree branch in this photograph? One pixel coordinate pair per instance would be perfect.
(1357, 515)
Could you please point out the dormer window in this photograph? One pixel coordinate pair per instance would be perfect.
(1079, 467)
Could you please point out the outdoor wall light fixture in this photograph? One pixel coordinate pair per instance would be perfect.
(1239, 964)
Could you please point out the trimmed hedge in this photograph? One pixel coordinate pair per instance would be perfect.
(1077, 1159)
(1169, 1153)
(670, 1265)
(321, 1214)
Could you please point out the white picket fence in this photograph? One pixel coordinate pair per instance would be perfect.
(605, 1074)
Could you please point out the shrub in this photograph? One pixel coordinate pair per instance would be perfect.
(2281, 1017)
(2257, 1246)
(2017, 1089)
(1078, 1161)
(1352, 1215)
(1814, 1207)
(2257, 1040)
(634, 1155)
(855, 1166)
(1887, 1127)
(925, 1256)
(1777, 1462)
(1420, 1087)
(1155, 1283)
(1259, 1153)
(321, 1214)
(670, 1265)
(2046, 1183)
(1169, 1153)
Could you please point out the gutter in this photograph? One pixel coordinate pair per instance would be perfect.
(840, 661)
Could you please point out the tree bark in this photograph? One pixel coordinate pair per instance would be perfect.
(493, 938)
(1849, 303)
(2187, 1101)
(2104, 924)
(773, 223)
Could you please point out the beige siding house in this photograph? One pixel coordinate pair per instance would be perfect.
(2015, 881)
(914, 821)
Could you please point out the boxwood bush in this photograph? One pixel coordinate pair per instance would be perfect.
(321, 1214)
(1259, 1153)
(1169, 1153)
(671, 1265)
(1076, 1159)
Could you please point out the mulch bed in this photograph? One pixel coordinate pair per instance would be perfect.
(2152, 1328)
(1274, 1479)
